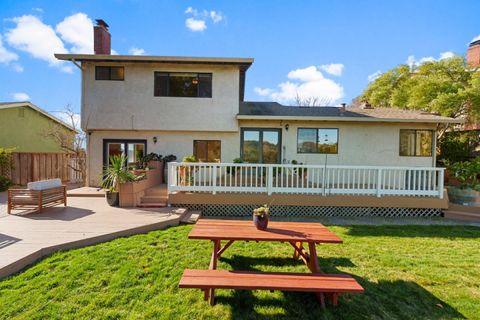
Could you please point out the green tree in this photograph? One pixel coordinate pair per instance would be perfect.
(446, 86)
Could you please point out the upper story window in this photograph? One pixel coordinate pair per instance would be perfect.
(109, 73)
(317, 140)
(179, 84)
(416, 143)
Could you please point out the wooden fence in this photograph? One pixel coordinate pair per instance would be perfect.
(28, 167)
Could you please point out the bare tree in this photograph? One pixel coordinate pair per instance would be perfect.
(73, 144)
(302, 101)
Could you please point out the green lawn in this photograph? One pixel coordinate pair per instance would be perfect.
(408, 272)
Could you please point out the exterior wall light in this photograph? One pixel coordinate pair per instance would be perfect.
(287, 126)
(154, 139)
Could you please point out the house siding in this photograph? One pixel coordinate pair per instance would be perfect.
(131, 104)
(362, 144)
(27, 133)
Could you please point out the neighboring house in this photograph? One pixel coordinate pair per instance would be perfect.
(186, 105)
(26, 128)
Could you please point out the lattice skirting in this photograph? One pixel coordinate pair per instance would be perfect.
(233, 210)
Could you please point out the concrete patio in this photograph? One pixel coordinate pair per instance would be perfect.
(25, 238)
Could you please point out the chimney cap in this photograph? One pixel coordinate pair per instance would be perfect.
(474, 43)
(101, 22)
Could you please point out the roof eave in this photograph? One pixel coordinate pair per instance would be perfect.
(345, 119)
(48, 115)
(154, 59)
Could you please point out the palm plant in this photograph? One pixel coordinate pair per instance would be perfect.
(116, 172)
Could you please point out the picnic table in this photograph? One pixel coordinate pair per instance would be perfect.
(295, 234)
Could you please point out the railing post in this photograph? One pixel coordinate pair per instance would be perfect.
(214, 179)
(169, 177)
(379, 182)
(440, 183)
(269, 180)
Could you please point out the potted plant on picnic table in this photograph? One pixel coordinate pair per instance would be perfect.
(260, 216)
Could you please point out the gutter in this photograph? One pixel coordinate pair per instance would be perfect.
(345, 119)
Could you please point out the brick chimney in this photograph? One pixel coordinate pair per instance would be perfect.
(473, 54)
(101, 37)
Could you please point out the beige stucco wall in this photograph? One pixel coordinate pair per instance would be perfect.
(131, 105)
(358, 143)
(375, 144)
(177, 143)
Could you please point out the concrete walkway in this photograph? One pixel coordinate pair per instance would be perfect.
(86, 221)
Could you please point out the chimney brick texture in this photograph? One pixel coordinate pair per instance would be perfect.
(473, 55)
(101, 39)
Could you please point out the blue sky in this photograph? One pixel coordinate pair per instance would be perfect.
(315, 48)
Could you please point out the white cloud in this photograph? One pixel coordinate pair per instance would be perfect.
(413, 62)
(216, 16)
(114, 52)
(198, 20)
(73, 121)
(192, 11)
(77, 30)
(17, 67)
(446, 55)
(374, 76)
(262, 91)
(306, 83)
(6, 56)
(20, 96)
(31, 35)
(137, 51)
(38, 10)
(195, 25)
(335, 69)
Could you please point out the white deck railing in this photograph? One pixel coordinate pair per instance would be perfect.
(305, 179)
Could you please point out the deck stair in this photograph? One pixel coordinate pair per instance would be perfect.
(464, 213)
(155, 197)
(191, 217)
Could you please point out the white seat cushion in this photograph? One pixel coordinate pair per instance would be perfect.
(44, 184)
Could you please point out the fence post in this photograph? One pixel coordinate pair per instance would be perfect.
(440, 183)
(379, 183)
(269, 180)
(214, 179)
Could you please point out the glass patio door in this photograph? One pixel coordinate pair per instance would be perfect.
(261, 145)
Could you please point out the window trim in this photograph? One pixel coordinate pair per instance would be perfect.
(432, 151)
(177, 72)
(206, 140)
(110, 73)
(260, 136)
(125, 143)
(316, 128)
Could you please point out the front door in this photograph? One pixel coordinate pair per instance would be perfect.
(261, 145)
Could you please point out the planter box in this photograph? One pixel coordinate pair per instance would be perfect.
(131, 192)
(465, 197)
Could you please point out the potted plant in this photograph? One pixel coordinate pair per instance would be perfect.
(260, 216)
(467, 174)
(186, 176)
(114, 174)
(232, 170)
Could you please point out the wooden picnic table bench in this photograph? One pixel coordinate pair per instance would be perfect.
(293, 233)
(334, 284)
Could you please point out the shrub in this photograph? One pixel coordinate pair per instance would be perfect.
(458, 146)
(466, 172)
(5, 183)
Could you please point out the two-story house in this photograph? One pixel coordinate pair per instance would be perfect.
(195, 105)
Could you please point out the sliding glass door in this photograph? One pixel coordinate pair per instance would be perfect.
(134, 150)
(261, 145)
